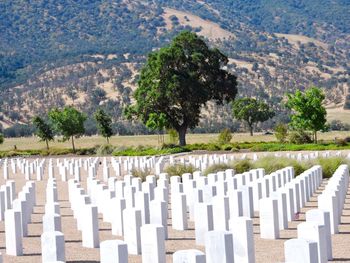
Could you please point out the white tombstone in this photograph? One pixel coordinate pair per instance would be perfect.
(315, 232)
(132, 225)
(52, 247)
(235, 203)
(90, 234)
(328, 202)
(203, 221)
(322, 218)
(218, 247)
(113, 251)
(301, 251)
(13, 233)
(269, 226)
(117, 205)
(152, 243)
(243, 239)
(51, 223)
(179, 211)
(189, 256)
(221, 212)
(142, 204)
(159, 215)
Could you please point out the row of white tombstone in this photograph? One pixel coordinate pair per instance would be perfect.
(221, 206)
(52, 239)
(18, 216)
(286, 201)
(314, 242)
(71, 168)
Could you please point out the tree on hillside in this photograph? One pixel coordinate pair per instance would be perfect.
(178, 80)
(1, 138)
(251, 111)
(104, 124)
(43, 130)
(69, 122)
(308, 111)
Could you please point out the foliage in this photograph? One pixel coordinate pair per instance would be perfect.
(19, 130)
(178, 80)
(225, 136)
(214, 168)
(179, 169)
(337, 125)
(1, 138)
(251, 111)
(43, 130)
(309, 113)
(300, 137)
(242, 166)
(157, 122)
(281, 132)
(104, 123)
(147, 151)
(330, 165)
(69, 122)
(272, 164)
(105, 149)
(173, 136)
(141, 173)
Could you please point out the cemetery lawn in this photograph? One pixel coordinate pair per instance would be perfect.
(148, 145)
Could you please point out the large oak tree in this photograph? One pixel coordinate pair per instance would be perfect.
(178, 80)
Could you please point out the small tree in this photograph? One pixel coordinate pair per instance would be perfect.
(69, 122)
(281, 132)
(308, 112)
(1, 138)
(104, 124)
(43, 130)
(251, 111)
(157, 122)
(225, 136)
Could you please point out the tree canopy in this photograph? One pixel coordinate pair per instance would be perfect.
(308, 112)
(43, 130)
(178, 80)
(251, 111)
(104, 123)
(69, 122)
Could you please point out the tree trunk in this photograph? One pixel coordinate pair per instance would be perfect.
(107, 138)
(182, 136)
(251, 129)
(315, 137)
(47, 144)
(73, 144)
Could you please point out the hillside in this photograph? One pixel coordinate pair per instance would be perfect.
(88, 53)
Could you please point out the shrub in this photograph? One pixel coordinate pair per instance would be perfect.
(225, 136)
(281, 132)
(242, 166)
(105, 149)
(341, 142)
(142, 174)
(300, 137)
(217, 168)
(179, 169)
(272, 164)
(1, 138)
(330, 165)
